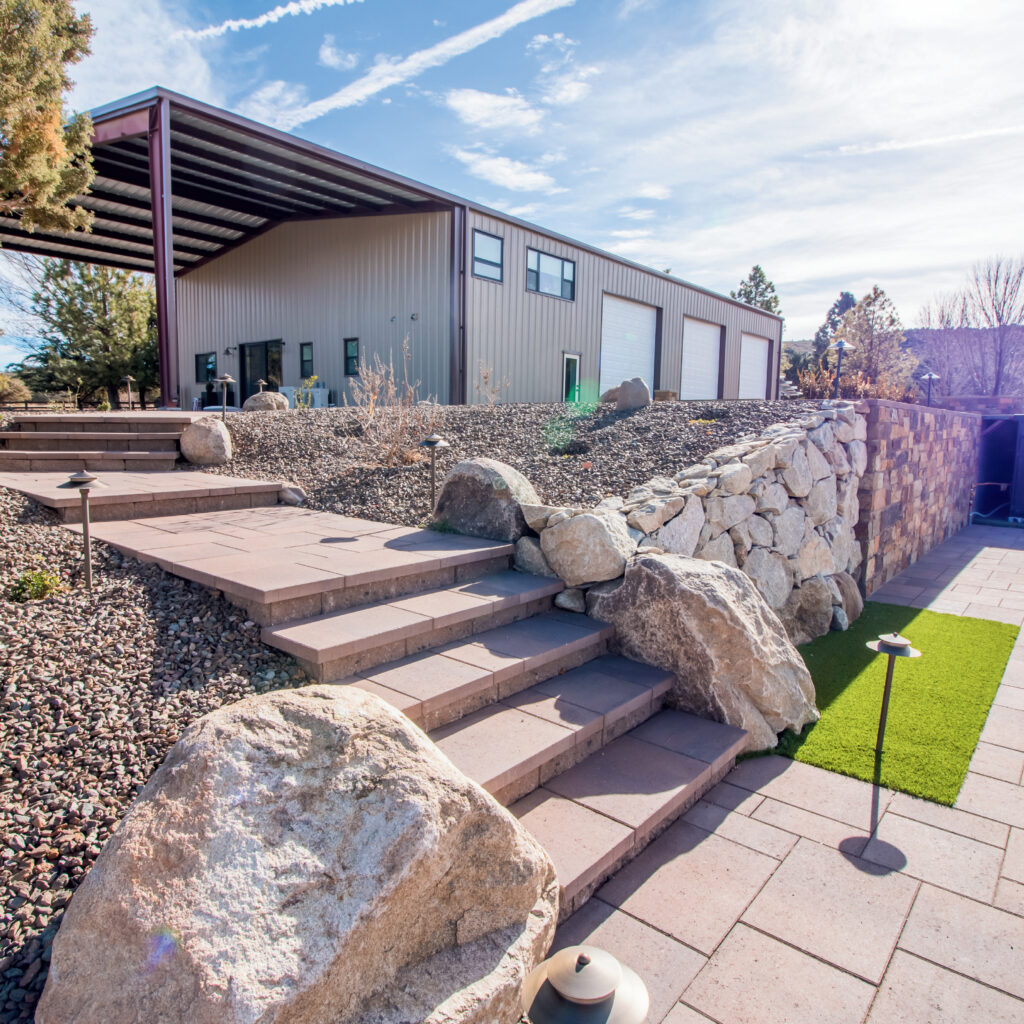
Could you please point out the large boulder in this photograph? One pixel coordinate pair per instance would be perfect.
(849, 592)
(265, 401)
(632, 394)
(529, 558)
(680, 535)
(588, 548)
(305, 856)
(706, 622)
(206, 442)
(482, 498)
(771, 575)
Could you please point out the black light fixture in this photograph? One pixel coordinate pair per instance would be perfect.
(584, 985)
(262, 383)
(929, 377)
(129, 380)
(841, 346)
(432, 443)
(224, 381)
(895, 646)
(83, 481)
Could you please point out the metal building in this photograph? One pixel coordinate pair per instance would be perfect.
(277, 259)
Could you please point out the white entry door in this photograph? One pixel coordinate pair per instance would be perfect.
(754, 366)
(628, 331)
(702, 349)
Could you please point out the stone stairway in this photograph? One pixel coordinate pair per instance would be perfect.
(41, 442)
(524, 698)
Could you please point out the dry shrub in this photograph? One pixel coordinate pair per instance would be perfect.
(393, 421)
(489, 386)
(820, 382)
(13, 390)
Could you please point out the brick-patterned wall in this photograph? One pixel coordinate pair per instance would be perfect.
(916, 492)
(988, 405)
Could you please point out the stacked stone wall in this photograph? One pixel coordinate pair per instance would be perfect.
(922, 464)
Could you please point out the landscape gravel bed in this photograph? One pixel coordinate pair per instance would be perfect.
(93, 692)
(570, 460)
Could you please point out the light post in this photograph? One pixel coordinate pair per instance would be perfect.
(83, 481)
(129, 380)
(224, 381)
(432, 443)
(895, 646)
(841, 346)
(929, 377)
(584, 985)
(262, 383)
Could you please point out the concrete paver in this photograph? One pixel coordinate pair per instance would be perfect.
(842, 910)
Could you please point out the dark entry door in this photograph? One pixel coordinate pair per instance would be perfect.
(261, 360)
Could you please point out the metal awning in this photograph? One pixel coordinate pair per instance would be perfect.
(231, 179)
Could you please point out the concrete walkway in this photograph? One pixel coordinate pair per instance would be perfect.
(770, 901)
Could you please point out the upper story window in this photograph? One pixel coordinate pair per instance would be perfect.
(550, 275)
(305, 360)
(488, 251)
(206, 367)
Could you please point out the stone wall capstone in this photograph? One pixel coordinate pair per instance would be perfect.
(920, 468)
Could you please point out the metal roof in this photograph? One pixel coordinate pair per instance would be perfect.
(231, 179)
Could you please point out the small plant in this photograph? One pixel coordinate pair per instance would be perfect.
(489, 386)
(103, 406)
(13, 390)
(34, 585)
(304, 395)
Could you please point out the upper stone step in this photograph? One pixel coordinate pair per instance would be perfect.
(337, 644)
(82, 440)
(91, 459)
(120, 422)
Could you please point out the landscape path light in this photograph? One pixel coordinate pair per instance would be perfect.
(262, 383)
(584, 985)
(129, 380)
(895, 646)
(83, 481)
(224, 381)
(432, 443)
(930, 376)
(841, 346)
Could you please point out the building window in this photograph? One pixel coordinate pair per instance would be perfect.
(487, 255)
(351, 357)
(305, 360)
(550, 275)
(206, 367)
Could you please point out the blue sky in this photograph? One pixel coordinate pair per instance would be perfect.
(838, 144)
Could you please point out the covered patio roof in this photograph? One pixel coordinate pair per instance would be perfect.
(230, 179)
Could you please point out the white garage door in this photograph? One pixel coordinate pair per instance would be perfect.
(628, 330)
(753, 366)
(702, 347)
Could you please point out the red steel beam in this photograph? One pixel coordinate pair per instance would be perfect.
(163, 249)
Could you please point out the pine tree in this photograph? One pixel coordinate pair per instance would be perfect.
(758, 291)
(874, 330)
(97, 326)
(44, 157)
(826, 333)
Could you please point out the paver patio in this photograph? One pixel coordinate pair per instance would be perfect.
(773, 900)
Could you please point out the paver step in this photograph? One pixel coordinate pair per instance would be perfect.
(63, 441)
(92, 459)
(351, 640)
(603, 811)
(519, 742)
(90, 422)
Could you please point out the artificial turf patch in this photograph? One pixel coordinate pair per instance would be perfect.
(936, 711)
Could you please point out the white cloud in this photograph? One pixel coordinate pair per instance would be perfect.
(275, 103)
(331, 57)
(895, 145)
(652, 191)
(633, 213)
(268, 18)
(570, 87)
(134, 46)
(391, 72)
(628, 7)
(490, 110)
(632, 233)
(514, 175)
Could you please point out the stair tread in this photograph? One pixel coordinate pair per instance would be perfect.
(351, 630)
(87, 454)
(89, 435)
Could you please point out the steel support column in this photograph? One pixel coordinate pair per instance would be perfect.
(457, 394)
(163, 248)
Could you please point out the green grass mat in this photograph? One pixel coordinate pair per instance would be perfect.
(936, 711)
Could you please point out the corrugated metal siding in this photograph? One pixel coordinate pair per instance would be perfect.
(322, 281)
(521, 335)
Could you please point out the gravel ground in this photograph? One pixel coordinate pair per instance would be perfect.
(94, 692)
(570, 462)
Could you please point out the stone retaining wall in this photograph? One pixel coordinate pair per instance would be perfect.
(781, 506)
(922, 464)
